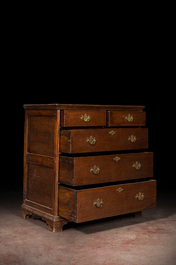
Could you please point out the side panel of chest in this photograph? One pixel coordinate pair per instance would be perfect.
(41, 160)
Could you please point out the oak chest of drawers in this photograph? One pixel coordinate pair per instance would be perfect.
(86, 162)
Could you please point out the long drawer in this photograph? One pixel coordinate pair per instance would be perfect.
(90, 204)
(97, 140)
(76, 171)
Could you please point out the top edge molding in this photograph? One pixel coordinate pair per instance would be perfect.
(82, 106)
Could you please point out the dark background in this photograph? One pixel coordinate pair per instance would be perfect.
(123, 60)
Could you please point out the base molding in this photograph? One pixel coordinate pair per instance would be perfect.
(55, 223)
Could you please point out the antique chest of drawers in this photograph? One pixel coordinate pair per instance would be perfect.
(86, 162)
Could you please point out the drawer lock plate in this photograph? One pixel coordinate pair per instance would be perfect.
(119, 189)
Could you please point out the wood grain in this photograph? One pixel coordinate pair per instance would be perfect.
(78, 205)
(41, 135)
(82, 106)
(61, 147)
(119, 118)
(75, 141)
(72, 118)
(75, 171)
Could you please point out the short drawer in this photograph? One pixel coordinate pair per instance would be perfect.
(76, 171)
(97, 140)
(90, 204)
(126, 118)
(84, 118)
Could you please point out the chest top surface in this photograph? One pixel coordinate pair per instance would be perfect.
(83, 106)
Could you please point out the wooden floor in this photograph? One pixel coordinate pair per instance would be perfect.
(123, 240)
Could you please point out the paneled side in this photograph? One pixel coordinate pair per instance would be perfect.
(41, 135)
(40, 185)
(40, 160)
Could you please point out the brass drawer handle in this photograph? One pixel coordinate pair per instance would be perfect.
(132, 138)
(91, 140)
(95, 170)
(140, 196)
(137, 165)
(85, 117)
(119, 189)
(116, 158)
(129, 118)
(98, 203)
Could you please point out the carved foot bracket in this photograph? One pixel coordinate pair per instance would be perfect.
(26, 214)
(55, 223)
(56, 226)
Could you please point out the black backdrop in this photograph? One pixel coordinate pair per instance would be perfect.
(125, 58)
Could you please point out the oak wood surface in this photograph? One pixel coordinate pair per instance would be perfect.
(73, 118)
(82, 106)
(41, 160)
(79, 205)
(77, 171)
(41, 135)
(76, 141)
(40, 185)
(56, 155)
(120, 118)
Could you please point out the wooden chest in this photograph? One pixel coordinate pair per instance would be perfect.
(86, 162)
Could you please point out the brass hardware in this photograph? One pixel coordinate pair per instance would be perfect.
(116, 158)
(129, 118)
(95, 170)
(140, 196)
(132, 138)
(91, 140)
(98, 203)
(137, 165)
(119, 189)
(112, 132)
(85, 118)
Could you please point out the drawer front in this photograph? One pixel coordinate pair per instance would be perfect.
(126, 118)
(77, 171)
(97, 140)
(90, 204)
(84, 118)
